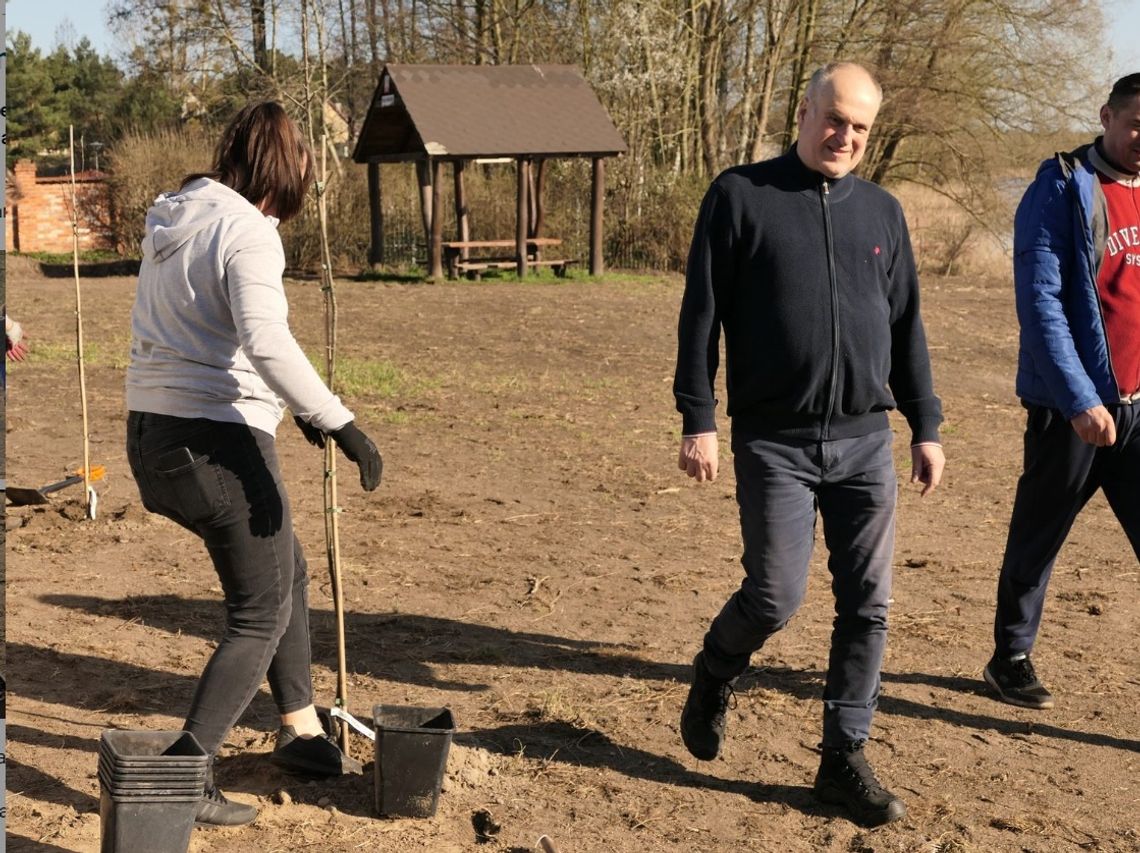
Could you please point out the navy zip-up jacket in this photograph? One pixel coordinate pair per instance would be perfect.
(814, 284)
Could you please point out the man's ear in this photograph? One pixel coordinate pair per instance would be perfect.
(801, 111)
(1105, 116)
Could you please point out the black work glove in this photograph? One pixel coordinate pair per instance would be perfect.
(313, 435)
(359, 448)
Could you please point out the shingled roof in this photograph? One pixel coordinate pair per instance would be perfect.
(467, 111)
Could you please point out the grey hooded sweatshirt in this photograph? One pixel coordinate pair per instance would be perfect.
(209, 331)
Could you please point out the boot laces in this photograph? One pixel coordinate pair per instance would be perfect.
(720, 699)
(1023, 671)
(856, 765)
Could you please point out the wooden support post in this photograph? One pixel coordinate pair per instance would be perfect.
(538, 175)
(539, 209)
(462, 222)
(423, 176)
(375, 215)
(523, 206)
(597, 199)
(435, 245)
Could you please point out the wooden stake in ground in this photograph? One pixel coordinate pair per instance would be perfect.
(332, 509)
(88, 491)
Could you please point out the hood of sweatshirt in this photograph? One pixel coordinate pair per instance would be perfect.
(175, 217)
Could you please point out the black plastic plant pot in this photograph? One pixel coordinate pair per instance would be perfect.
(411, 757)
(149, 749)
(150, 787)
(157, 825)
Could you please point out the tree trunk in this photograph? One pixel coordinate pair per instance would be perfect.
(801, 71)
(260, 49)
(712, 46)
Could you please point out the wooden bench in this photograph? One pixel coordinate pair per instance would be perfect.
(456, 264)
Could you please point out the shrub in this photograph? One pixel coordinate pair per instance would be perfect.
(143, 165)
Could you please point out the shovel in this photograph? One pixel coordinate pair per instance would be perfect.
(24, 497)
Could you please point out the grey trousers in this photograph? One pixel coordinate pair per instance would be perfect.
(781, 483)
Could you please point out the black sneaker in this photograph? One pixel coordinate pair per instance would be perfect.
(216, 810)
(846, 779)
(1016, 682)
(318, 755)
(703, 718)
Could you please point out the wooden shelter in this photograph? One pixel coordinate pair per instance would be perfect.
(435, 114)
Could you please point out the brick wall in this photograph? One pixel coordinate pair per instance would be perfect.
(39, 211)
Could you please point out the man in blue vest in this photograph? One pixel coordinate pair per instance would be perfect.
(1076, 275)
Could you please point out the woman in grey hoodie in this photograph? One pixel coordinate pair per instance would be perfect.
(213, 366)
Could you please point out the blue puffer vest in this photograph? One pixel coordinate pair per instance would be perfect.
(1059, 236)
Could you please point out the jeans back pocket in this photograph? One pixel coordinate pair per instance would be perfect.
(189, 486)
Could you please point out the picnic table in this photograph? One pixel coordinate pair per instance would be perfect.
(457, 257)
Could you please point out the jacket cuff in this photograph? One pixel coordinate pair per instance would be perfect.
(925, 429)
(698, 420)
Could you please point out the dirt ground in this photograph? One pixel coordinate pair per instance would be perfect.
(535, 562)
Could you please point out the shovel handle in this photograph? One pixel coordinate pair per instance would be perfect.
(62, 484)
(97, 472)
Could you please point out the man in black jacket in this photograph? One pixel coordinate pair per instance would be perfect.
(809, 271)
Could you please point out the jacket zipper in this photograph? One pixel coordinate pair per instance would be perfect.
(824, 193)
(1094, 271)
(1088, 232)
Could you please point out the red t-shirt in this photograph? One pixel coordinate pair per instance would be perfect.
(1119, 282)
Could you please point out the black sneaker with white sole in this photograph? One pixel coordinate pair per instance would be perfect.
(216, 810)
(1016, 682)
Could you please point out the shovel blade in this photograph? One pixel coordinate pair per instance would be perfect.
(24, 497)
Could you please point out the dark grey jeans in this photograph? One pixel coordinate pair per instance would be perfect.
(780, 484)
(221, 482)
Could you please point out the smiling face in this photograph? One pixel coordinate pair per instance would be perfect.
(1122, 135)
(835, 120)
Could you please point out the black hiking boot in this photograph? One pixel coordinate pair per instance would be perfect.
(846, 779)
(703, 718)
(1016, 682)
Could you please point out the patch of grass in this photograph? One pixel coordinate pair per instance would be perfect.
(634, 277)
(87, 256)
(409, 275)
(364, 377)
(94, 354)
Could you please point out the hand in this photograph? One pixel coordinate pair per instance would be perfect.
(16, 350)
(1095, 427)
(312, 435)
(359, 448)
(699, 456)
(927, 462)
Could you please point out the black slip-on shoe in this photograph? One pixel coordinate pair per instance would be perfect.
(1016, 682)
(317, 755)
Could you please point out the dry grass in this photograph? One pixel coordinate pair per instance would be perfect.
(947, 240)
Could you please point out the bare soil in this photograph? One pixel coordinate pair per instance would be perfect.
(535, 562)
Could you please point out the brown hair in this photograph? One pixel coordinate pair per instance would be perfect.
(263, 157)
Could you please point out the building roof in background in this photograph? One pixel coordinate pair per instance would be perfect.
(469, 111)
